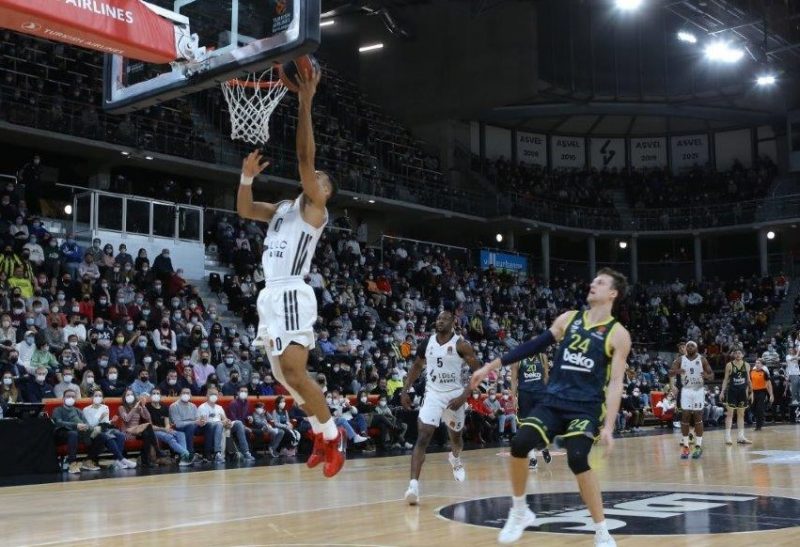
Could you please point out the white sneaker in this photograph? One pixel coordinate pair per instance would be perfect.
(604, 539)
(358, 439)
(127, 464)
(408, 446)
(515, 525)
(412, 495)
(728, 440)
(117, 465)
(458, 468)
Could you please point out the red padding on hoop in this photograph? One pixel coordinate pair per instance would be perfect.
(125, 27)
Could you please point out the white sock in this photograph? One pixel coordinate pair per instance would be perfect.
(316, 427)
(413, 483)
(698, 441)
(519, 503)
(329, 430)
(601, 527)
(685, 441)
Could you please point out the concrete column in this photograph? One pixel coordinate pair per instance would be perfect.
(511, 241)
(634, 259)
(762, 252)
(698, 258)
(546, 256)
(592, 256)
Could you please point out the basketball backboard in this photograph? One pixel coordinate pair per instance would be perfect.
(240, 36)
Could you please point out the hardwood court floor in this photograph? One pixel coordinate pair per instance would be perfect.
(292, 505)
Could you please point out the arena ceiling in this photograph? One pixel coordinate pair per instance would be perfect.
(605, 72)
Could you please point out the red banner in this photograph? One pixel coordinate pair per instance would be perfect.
(123, 27)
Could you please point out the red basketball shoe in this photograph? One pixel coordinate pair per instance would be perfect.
(318, 452)
(334, 454)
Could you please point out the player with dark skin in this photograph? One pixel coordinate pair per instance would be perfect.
(443, 332)
(686, 414)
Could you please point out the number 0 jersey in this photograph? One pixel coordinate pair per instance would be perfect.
(290, 242)
(443, 364)
(582, 366)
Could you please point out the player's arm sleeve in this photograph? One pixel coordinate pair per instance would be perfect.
(529, 348)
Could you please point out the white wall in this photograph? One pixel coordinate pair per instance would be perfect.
(498, 143)
(730, 146)
(649, 152)
(190, 256)
(688, 151)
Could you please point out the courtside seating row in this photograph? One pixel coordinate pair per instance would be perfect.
(135, 445)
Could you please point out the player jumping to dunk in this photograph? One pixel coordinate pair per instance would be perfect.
(287, 306)
(583, 394)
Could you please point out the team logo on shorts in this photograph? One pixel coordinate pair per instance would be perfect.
(638, 513)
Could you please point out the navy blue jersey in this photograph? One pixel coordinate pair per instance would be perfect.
(530, 378)
(582, 366)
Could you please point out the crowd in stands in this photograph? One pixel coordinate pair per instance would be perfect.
(657, 198)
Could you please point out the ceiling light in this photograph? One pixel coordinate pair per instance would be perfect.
(327, 23)
(372, 201)
(355, 198)
(68, 209)
(723, 52)
(770, 235)
(628, 5)
(149, 158)
(688, 37)
(125, 153)
(623, 244)
(370, 47)
(499, 238)
(766, 79)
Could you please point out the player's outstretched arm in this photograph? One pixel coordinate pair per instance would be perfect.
(526, 349)
(252, 166)
(306, 147)
(621, 346)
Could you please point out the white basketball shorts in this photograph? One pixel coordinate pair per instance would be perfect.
(287, 312)
(693, 398)
(434, 409)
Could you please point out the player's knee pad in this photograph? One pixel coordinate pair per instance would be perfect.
(275, 364)
(578, 453)
(526, 439)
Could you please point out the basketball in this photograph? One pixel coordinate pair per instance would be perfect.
(288, 71)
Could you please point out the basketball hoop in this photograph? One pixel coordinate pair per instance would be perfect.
(251, 102)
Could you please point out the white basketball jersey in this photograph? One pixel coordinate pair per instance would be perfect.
(443, 365)
(692, 372)
(290, 242)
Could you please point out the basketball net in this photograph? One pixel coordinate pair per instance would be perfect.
(251, 102)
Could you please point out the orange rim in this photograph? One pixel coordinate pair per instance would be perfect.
(253, 85)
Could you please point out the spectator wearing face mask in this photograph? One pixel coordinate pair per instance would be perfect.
(509, 413)
(101, 331)
(228, 366)
(142, 385)
(162, 266)
(634, 405)
(72, 428)
(7, 330)
(136, 423)
(260, 425)
(26, 347)
(97, 415)
(9, 392)
(88, 384)
(213, 413)
(111, 385)
(166, 432)
(67, 383)
(393, 383)
(123, 257)
(232, 386)
(164, 338)
(392, 430)
(203, 369)
(119, 350)
(37, 388)
(480, 420)
(88, 268)
(282, 420)
(75, 327)
(12, 365)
